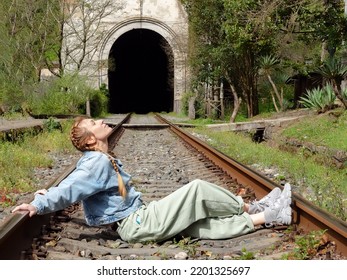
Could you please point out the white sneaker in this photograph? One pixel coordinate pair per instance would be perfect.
(280, 212)
(286, 193)
(266, 201)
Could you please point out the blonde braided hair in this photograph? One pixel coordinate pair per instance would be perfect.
(121, 187)
(80, 137)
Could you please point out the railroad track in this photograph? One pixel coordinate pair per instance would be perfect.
(161, 157)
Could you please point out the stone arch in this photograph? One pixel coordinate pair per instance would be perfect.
(175, 41)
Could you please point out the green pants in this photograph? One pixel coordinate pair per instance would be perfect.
(199, 209)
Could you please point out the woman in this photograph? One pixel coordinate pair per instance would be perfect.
(199, 209)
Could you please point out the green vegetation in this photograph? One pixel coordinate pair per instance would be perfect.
(241, 54)
(320, 99)
(19, 159)
(246, 255)
(246, 55)
(307, 246)
(188, 245)
(325, 130)
(32, 35)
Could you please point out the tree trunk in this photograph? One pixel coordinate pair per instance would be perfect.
(237, 103)
(324, 52)
(280, 101)
(337, 90)
(221, 99)
(88, 107)
(191, 108)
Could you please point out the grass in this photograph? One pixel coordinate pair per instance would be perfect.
(19, 159)
(308, 246)
(321, 130)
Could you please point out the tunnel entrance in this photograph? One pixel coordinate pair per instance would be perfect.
(141, 73)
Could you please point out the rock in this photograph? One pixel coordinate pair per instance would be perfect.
(181, 256)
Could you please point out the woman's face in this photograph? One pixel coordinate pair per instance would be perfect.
(100, 130)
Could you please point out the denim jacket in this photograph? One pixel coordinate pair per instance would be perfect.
(95, 183)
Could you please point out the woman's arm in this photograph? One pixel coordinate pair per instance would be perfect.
(91, 176)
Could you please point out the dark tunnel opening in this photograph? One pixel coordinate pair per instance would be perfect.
(140, 73)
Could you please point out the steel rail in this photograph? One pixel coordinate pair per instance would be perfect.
(306, 216)
(116, 131)
(18, 229)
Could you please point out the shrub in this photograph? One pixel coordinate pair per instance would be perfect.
(320, 99)
(185, 102)
(51, 124)
(65, 95)
(98, 103)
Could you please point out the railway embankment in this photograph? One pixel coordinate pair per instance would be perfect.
(269, 130)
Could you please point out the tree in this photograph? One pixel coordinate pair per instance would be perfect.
(267, 65)
(230, 36)
(83, 29)
(26, 33)
(327, 22)
(334, 72)
(81, 25)
(227, 40)
(205, 35)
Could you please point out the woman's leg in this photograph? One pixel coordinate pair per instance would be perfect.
(162, 219)
(220, 228)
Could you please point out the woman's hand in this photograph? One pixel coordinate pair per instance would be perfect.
(26, 207)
